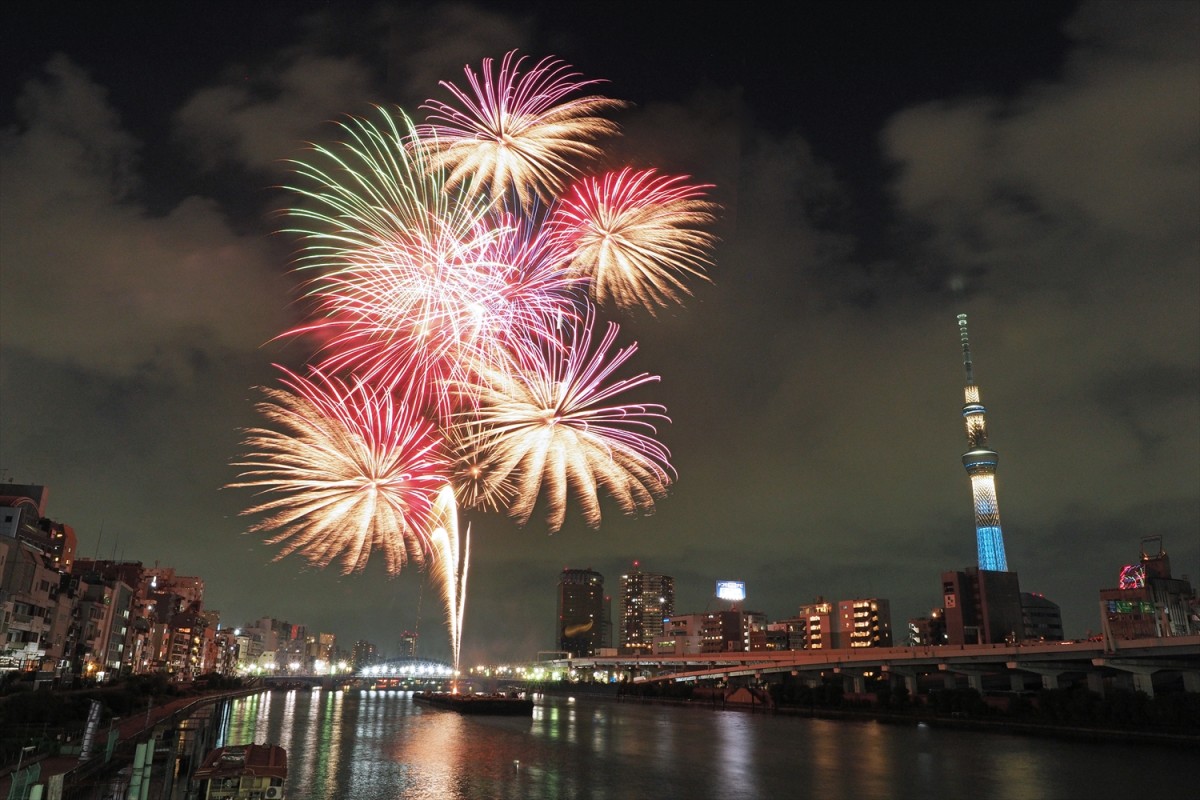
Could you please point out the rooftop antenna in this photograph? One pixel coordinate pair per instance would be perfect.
(966, 347)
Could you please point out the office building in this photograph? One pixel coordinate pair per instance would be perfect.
(1041, 617)
(647, 598)
(683, 634)
(581, 612)
(982, 607)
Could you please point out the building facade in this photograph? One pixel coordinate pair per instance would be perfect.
(982, 607)
(928, 631)
(1042, 618)
(581, 612)
(821, 631)
(1148, 602)
(647, 598)
(683, 634)
(865, 622)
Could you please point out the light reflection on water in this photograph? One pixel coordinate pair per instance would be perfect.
(383, 745)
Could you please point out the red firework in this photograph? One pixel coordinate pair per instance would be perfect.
(636, 235)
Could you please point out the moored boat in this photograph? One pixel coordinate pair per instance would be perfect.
(478, 703)
(243, 772)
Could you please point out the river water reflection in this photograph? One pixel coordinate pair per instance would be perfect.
(383, 745)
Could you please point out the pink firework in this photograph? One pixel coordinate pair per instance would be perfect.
(547, 427)
(636, 235)
(538, 294)
(351, 471)
(414, 314)
(515, 130)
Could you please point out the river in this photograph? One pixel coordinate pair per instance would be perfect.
(382, 745)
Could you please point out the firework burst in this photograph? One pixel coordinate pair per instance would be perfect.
(515, 130)
(350, 471)
(448, 278)
(547, 425)
(636, 235)
(407, 283)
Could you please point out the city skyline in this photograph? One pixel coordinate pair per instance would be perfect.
(879, 173)
(584, 625)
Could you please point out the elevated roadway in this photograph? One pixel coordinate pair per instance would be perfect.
(1136, 660)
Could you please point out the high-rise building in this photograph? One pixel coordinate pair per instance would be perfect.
(363, 655)
(581, 612)
(408, 644)
(647, 598)
(982, 607)
(606, 633)
(980, 462)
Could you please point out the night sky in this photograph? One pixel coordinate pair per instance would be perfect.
(881, 168)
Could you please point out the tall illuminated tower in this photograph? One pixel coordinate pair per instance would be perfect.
(980, 462)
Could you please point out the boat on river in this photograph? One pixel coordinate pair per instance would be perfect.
(494, 704)
(243, 772)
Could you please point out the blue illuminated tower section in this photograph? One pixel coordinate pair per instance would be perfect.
(980, 462)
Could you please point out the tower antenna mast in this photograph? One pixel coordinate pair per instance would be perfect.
(966, 347)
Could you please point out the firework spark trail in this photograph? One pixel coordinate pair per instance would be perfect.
(517, 130)
(637, 235)
(356, 472)
(452, 555)
(548, 422)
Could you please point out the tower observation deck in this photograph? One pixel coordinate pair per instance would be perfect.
(980, 462)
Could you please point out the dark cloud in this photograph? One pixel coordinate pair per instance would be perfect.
(94, 280)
